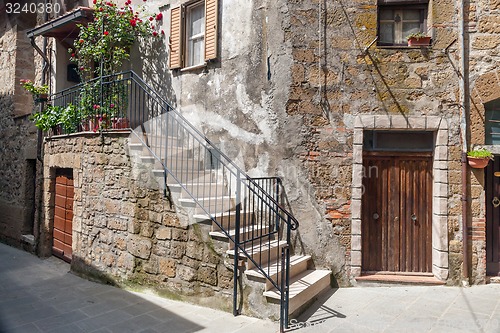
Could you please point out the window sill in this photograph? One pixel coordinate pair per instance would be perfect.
(395, 47)
(191, 68)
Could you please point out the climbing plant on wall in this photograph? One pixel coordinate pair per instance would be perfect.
(105, 43)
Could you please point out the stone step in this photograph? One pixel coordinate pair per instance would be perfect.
(205, 189)
(371, 280)
(201, 177)
(182, 165)
(304, 288)
(210, 204)
(225, 219)
(157, 140)
(262, 252)
(298, 264)
(246, 233)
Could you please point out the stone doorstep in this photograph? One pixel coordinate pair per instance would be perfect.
(493, 279)
(411, 279)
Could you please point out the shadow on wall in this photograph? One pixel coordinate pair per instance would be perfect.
(9, 17)
(152, 65)
(42, 293)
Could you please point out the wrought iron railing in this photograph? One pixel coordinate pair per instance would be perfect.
(248, 211)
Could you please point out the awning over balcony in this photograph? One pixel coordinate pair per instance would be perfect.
(64, 26)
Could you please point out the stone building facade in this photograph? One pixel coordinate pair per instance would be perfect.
(311, 92)
(18, 136)
(125, 232)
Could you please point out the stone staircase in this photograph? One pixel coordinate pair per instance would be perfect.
(205, 194)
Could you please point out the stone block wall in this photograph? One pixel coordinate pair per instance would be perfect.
(126, 232)
(338, 75)
(18, 136)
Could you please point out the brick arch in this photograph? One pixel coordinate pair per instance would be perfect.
(485, 89)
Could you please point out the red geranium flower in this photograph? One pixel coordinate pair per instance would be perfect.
(73, 55)
(159, 16)
(155, 33)
(151, 18)
(81, 41)
(106, 33)
(133, 22)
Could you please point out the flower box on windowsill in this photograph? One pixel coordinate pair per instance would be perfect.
(419, 41)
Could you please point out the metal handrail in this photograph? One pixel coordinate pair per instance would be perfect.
(181, 149)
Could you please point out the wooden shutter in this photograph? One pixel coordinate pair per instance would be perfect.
(211, 27)
(175, 38)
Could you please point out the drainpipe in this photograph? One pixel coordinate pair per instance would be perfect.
(43, 53)
(38, 192)
(464, 122)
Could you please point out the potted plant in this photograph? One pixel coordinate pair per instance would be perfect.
(418, 39)
(479, 158)
(40, 93)
(49, 119)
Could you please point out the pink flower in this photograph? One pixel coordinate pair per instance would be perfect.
(159, 16)
(111, 105)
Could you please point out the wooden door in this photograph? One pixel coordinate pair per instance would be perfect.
(63, 215)
(397, 213)
(493, 217)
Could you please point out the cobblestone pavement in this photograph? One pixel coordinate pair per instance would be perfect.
(40, 295)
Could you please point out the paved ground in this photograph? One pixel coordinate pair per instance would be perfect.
(42, 296)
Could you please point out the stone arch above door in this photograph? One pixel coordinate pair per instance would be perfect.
(440, 267)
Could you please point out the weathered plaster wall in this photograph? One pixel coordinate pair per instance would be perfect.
(282, 98)
(239, 102)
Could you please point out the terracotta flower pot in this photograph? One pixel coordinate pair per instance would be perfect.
(120, 123)
(422, 41)
(478, 162)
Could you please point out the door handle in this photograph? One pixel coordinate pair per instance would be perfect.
(414, 218)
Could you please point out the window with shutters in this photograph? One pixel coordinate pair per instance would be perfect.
(398, 19)
(193, 34)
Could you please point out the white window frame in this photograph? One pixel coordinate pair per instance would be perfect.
(190, 38)
(399, 39)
